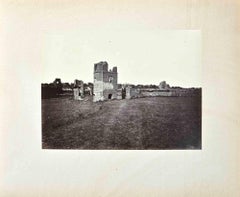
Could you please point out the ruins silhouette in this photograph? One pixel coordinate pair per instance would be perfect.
(105, 87)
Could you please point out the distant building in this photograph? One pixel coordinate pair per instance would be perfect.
(105, 82)
(164, 86)
(53, 89)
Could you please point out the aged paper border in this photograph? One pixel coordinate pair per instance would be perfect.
(27, 170)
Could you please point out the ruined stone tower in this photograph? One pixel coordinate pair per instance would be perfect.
(105, 82)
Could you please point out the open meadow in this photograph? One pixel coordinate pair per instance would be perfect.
(144, 123)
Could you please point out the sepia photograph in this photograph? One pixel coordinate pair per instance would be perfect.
(147, 96)
(119, 98)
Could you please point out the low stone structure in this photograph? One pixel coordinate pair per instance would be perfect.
(139, 93)
(133, 92)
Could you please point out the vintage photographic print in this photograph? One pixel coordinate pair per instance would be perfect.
(122, 90)
(118, 98)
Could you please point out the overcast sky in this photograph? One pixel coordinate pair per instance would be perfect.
(142, 57)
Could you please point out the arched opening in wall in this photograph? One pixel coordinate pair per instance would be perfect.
(110, 96)
(110, 79)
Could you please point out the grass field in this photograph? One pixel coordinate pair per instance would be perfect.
(146, 123)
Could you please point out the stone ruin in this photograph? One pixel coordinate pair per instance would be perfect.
(78, 90)
(105, 82)
(106, 87)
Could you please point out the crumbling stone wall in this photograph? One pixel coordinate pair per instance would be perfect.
(77, 94)
(119, 94)
(105, 82)
(133, 93)
(78, 90)
(156, 93)
(139, 93)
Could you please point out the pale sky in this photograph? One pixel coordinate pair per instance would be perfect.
(146, 56)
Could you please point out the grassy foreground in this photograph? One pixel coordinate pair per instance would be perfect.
(146, 123)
